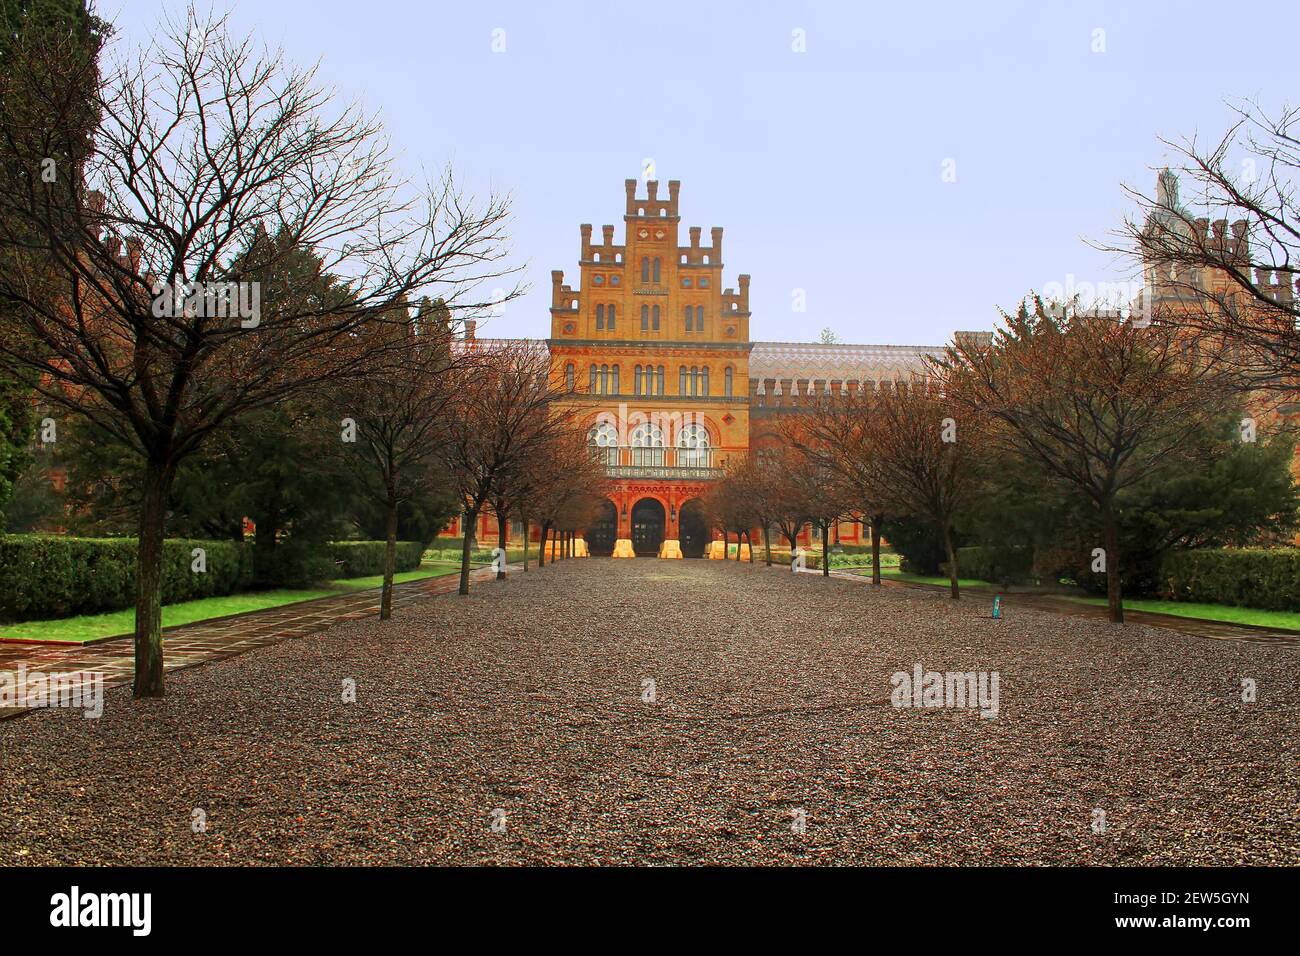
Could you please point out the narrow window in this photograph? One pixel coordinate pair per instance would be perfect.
(568, 377)
(645, 318)
(704, 378)
(659, 388)
(636, 381)
(655, 321)
(609, 323)
(699, 318)
(614, 381)
(695, 380)
(600, 317)
(681, 380)
(645, 268)
(657, 270)
(688, 318)
(604, 380)
(593, 379)
(726, 381)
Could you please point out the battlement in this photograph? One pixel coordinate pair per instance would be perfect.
(563, 298)
(606, 250)
(1235, 245)
(1282, 286)
(652, 207)
(697, 255)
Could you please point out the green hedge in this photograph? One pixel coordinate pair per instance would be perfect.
(44, 576)
(360, 559)
(1247, 577)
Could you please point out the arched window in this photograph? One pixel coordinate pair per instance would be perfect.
(568, 377)
(645, 268)
(681, 380)
(604, 380)
(704, 380)
(600, 317)
(594, 372)
(645, 318)
(693, 445)
(609, 322)
(602, 439)
(657, 260)
(659, 381)
(636, 381)
(695, 380)
(613, 381)
(603, 435)
(646, 435)
(699, 318)
(654, 311)
(688, 318)
(726, 382)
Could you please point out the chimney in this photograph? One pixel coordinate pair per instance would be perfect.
(469, 330)
(630, 186)
(716, 232)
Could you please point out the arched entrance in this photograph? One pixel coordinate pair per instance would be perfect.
(693, 530)
(603, 532)
(647, 527)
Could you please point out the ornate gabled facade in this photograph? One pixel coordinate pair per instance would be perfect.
(653, 353)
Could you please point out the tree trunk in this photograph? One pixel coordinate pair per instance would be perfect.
(148, 581)
(390, 557)
(1110, 534)
(503, 521)
(826, 548)
(767, 544)
(875, 550)
(541, 545)
(471, 521)
(749, 536)
(737, 546)
(952, 561)
(526, 532)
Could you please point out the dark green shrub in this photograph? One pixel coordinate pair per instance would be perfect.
(361, 559)
(996, 564)
(54, 576)
(1246, 577)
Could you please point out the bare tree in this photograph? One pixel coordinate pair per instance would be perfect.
(503, 412)
(204, 144)
(1100, 402)
(838, 432)
(1228, 265)
(398, 425)
(925, 454)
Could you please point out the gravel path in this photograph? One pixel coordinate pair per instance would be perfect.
(523, 704)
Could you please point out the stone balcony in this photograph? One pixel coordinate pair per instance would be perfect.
(624, 461)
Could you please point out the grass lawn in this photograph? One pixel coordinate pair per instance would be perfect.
(896, 575)
(1285, 620)
(89, 627)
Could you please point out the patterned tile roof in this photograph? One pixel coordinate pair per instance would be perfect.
(815, 360)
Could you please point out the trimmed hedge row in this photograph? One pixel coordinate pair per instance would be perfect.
(1246, 577)
(51, 576)
(360, 559)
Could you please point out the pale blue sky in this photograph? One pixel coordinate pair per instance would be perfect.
(824, 167)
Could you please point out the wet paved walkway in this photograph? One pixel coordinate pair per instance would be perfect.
(1055, 604)
(204, 641)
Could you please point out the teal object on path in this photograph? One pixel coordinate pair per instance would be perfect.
(997, 607)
